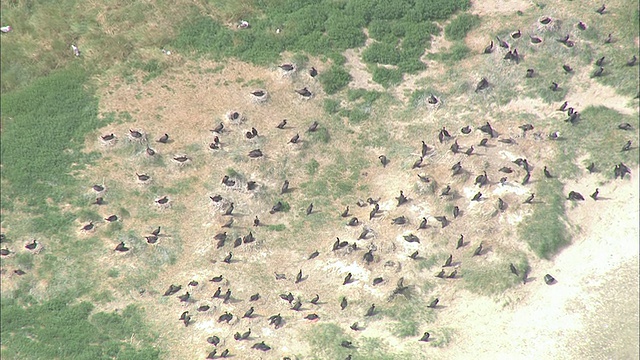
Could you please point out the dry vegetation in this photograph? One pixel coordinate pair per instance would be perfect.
(334, 167)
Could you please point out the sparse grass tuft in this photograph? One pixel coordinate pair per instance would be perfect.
(458, 28)
(334, 79)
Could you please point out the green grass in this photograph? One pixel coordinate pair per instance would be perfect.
(59, 328)
(409, 315)
(545, 229)
(334, 79)
(494, 278)
(460, 26)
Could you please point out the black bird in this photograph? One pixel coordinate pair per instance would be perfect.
(383, 160)
(135, 134)
(371, 311)
(627, 146)
(487, 129)
(425, 149)
(108, 137)
(456, 168)
(594, 196)
(216, 279)
(345, 213)
(414, 255)
(343, 303)
(112, 218)
(282, 124)
(423, 224)
(554, 86)
(625, 126)
(255, 153)
(313, 255)
(143, 177)
(453, 274)
(434, 303)
(530, 199)
(608, 40)
(448, 261)
(563, 107)
(502, 206)
(401, 220)
(401, 199)
(254, 297)
(377, 281)
(346, 344)
(277, 207)
(297, 306)
(549, 280)
(477, 196)
(567, 68)
(482, 179)
(506, 170)
(354, 326)
(286, 67)
(312, 317)
(598, 72)
(310, 209)
(315, 299)
(456, 212)
(483, 84)
(294, 139)
(313, 72)
(425, 337)
(347, 279)
(204, 308)
(227, 259)
(466, 130)
(218, 129)
(443, 134)
(353, 221)
(411, 238)
(526, 178)
(440, 274)
(502, 43)
(185, 297)
(503, 180)
(226, 317)
(483, 142)
(545, 20)
(237, 242)
(89, 226)
(229, 211)
(601, 9)
(632, 61)
(256, 222)
(489, 48)
(258, 93)
(600, 61)
(573, 195)
(591, 168)
(443, 220)
(212, 355)
(455, 148)
(513, 269)
(581, 26)
(478, 250)
(304, 92)
(530, 73)
(547, 174)
(417, 163)
(535, 39)
(172, 290)
(164, 139)
(432, 100)
(368, 256)
(121, 247)
(620, 170)
(460, 242)
(225, 353)
(313, 127)
(516, 34)
(32, 245)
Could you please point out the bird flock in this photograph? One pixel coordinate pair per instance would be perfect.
(243, 314)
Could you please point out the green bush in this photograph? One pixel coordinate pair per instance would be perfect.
(457, 52)
(387, 77)
(334, 79)
(458, 28)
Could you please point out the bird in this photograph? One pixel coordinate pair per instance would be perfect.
(256, 222)
(346, 344)
(383, 160)
(506, 170)
(456, 168)
(229, 211)
(478, 250)
(549, 280)
(313, 255)
(312, 317)
(348, 279)
(581, 26)
(483, 142)
(456, 212)
(530, 199)
(513, 269)
(299, 276)
(482, 84)
(443, 220)
(627, 146)
(423, 224)
(377, 281)
(410, 238)
(477, 196)
(88, 227)
(304, 92)
(594, 196)
(488, 129)
(294, 139)
(460, 242)
(434, 303)
(255, 153)
(216, 279)
(625, 126)
(608, 40)
(414, 255)
(530, 73)
(218, 129)
(554, 86)
(181, 159)
(417, 163)
(121, 247)
(368, 256)
(567, 68)
(172, 290)
(258, 93)
(448, 261)
(286, 67)
(425, 337)
(213, 340)
(343, 303)
(591, 168)
(310, 209)
(401, 220)
(502, 206)
(489, 48)
(598, 72)
(455, 148)
(547, 174)
(481, 179)
(516, 34)
(545, 20)
(163, 139)
(345, 213)
(313, 127)
(601, 9)
(353, 221)
(573, 195)
(227, 258)
(371, 311)
(453, 274)
(254, 297)
(401, 199)
(185, 297)
(535, 39)
(143, 177)
(108, 137)
(526, 178)
(632, 61)
(212, 354)
(204, 308)
(111, 218)
(313, 72)
(440, 274)
(32, 245)
(282, 124)
(502, 43)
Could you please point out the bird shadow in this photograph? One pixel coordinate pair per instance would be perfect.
(528, 280)
(603, 198)
(437, 307)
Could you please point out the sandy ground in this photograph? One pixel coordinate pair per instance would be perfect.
(590, 313)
